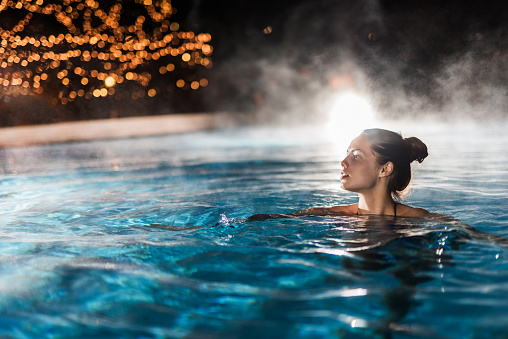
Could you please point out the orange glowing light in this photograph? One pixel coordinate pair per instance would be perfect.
(109, 81)
(174, 26)
(97, 50)
(203, 82)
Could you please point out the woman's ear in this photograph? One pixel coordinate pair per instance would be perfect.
(386, 170)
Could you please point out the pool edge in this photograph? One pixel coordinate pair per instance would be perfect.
(109, 129)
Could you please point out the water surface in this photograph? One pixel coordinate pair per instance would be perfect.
(140, 238)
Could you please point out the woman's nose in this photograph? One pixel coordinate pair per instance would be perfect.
(344, 163)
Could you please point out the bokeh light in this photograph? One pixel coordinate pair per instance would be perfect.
(83, 48)
(110, 81)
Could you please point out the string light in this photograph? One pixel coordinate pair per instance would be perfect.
(98, 50)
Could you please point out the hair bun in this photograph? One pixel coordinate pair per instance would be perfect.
(417, 149)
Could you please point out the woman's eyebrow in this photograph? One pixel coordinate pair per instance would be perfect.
(354, 149)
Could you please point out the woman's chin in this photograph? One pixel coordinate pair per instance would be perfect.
(346, 187)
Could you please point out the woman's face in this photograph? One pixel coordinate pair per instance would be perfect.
(360, 168)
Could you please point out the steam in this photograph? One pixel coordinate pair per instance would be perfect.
(328, 50)
(473, 85)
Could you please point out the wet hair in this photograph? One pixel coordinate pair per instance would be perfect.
(391, 146)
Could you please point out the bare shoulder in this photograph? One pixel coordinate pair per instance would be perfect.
(335, 210)
(345, 209)
(411, 212)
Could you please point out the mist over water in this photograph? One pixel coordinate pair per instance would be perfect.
(290, 62)
(443, 61)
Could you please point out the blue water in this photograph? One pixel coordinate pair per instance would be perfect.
(142, 238)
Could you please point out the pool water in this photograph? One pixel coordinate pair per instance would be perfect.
(143, 238)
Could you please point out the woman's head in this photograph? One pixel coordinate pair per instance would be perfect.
(389, 146)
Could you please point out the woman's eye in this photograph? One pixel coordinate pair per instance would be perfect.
(353, 154)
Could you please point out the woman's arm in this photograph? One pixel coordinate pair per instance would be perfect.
(315, 211)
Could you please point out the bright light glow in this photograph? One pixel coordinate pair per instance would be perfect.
(356, 292)
(349, 114)
(350, 110)
(110, 81)
(359, 323)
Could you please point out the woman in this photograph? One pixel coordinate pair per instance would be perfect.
(377, 167)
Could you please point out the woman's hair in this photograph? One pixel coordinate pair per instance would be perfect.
(391, 146)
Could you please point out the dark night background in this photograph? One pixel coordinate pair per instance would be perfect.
(281, 58)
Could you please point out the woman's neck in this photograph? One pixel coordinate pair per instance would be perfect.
(375, 204)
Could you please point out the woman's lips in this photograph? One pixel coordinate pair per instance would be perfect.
(343, 175)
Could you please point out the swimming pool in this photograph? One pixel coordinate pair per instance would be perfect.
(140, 238)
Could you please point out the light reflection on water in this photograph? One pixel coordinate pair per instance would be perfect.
(122, 238)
